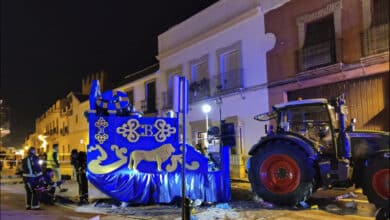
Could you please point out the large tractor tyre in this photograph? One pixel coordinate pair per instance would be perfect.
(282, 173)
(377, 182)
(382, 214)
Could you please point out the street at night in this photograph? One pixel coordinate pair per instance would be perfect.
(322, 205)
(195, 109)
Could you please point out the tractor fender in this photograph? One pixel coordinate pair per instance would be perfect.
(305, 145)
(380, 153)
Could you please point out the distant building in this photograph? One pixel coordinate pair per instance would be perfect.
(65, 124)
(4, 120)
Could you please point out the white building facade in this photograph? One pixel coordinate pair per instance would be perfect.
(222, 51)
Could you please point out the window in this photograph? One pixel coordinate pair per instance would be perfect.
(199, 71)
(150, 97)
(199, 85)
(230, 68)
(320, 47)
(308, 121)
(77, 118)
(130, 95)
(169, 96)
(381, 12)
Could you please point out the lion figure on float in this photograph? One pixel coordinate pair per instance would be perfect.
(159, 155)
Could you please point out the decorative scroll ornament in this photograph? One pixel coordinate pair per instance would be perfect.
(101, 137)
(129, 130)
(175, 159)
(95, 165)
(164, 130)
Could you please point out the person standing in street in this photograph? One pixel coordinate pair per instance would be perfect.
(31, 175)
(73, 162)
(53, 162)
(82, 180)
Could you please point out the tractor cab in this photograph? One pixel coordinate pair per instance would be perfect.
(313, 120)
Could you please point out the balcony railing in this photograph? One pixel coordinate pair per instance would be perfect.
(375, 40)
(64, 131)
(146, 109)
(199, 90)
(318, 55)
(229, 81)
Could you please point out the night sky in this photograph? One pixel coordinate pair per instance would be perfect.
(48, 46)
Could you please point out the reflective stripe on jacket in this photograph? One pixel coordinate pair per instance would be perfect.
(31, 167)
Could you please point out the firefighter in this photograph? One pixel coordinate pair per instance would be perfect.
(31, 174)
(48, 194)
(81, 167)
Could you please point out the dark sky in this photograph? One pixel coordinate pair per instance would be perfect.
(48, 46)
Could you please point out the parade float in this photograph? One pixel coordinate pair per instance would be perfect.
(138, 160)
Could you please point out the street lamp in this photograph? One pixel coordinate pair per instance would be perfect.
(206, 108)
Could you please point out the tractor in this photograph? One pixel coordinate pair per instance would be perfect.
(312, 147)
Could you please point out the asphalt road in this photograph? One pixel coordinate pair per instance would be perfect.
(13, 208)
(322, 205)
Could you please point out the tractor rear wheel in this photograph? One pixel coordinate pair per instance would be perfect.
(377, 182)
(282, 173)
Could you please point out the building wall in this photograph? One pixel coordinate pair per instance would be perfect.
(220, 26)
(60, 126)
(138, 88)
(284, 23)
(352, 19)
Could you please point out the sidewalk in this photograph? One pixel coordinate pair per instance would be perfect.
(8, 176)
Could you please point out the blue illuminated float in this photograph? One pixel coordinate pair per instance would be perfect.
(138, 159)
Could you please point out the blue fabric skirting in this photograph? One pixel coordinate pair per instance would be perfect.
(144, 188)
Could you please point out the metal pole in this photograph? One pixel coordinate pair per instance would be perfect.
(185, 204)
(207, 122)
(183, 185)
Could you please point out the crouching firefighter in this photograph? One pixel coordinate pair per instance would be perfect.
(31, 174)
(48, 194)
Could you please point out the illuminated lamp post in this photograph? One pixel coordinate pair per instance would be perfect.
(206, 108)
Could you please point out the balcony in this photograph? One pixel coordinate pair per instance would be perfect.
(64, 131)
(147, 109)
(229, 81)
(199, 90)
(318, 55)
(375, 40)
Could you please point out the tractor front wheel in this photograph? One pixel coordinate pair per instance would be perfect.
(377, 181)
(282, 174)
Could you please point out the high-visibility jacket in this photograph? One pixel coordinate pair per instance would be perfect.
(52, 160)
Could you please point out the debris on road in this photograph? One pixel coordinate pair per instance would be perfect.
(304, 205)
(223, 206)
(333, 208)
(345, 196)
(351, 205)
